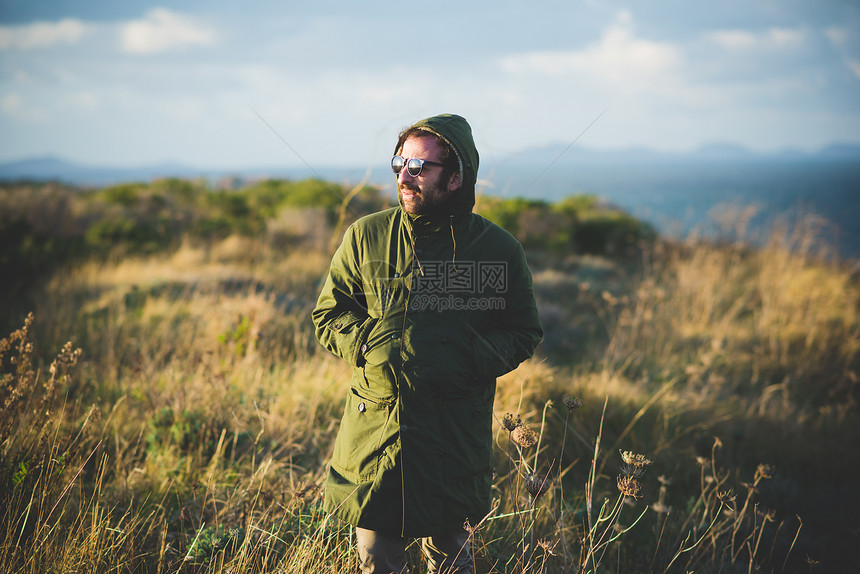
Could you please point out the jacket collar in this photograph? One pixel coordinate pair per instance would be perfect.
(434, 223)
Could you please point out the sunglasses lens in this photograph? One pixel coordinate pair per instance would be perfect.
(413, 166)
(397, 163)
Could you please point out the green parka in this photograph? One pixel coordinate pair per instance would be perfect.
(428, 310)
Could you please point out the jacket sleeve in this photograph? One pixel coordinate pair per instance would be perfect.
(516, 330)
(340, 318)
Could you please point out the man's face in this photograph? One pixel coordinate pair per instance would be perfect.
(421, 194)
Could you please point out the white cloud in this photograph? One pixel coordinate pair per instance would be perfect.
(774, 38)
(845, 41)
(82, 101)
(15, 106)
(42, 34)
(837, 35)
(785, 38)
(733, 39)
(618, 56)
(163, 30)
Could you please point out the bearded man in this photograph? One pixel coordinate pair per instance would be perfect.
(429, 303)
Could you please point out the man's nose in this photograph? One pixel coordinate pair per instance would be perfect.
(404, 176)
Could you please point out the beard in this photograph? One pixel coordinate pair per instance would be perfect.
(418, 200)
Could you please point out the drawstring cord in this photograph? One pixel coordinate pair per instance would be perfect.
(454, 241)
(411, 232)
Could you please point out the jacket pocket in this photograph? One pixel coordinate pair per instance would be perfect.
(468, 428)
(361, 440)
(445, 362)
(383, 344)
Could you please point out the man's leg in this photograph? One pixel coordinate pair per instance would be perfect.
(379, 553)
(449, 554)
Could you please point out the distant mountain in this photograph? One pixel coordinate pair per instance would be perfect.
(722, 151)
(563, 154)
(841, 151)
(53, 168)
(58, 169)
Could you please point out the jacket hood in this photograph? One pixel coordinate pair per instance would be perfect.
(456, 131)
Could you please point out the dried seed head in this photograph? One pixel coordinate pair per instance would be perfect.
(572, 403)
(524, 436)
(763, 471)
(629, 486)
(510, 423)
(536, 485)
(636, 460)
(725, 496)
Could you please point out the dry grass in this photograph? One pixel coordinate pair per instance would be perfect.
(192, 433)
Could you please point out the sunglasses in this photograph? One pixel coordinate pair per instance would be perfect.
(413, 165)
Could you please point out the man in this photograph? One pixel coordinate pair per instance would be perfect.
(429, 303)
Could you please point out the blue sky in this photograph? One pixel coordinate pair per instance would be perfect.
(134, 82)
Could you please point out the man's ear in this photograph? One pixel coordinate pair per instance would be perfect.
(454, 182)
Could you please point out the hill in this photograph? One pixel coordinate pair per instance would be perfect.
(167, 409)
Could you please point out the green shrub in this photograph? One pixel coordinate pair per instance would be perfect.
(576, 224)
(126, 194)
(126, 236)
(270, 196)
(180, 191)
(610, 234)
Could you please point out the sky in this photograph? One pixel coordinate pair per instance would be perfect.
(213, 84)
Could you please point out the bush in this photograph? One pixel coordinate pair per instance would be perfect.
(610, 234)
(577, 224)
(126, 194)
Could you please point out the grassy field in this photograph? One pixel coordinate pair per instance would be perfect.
(166, 408)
